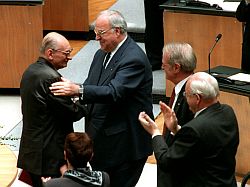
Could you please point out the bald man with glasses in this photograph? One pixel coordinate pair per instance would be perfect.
(47, 119)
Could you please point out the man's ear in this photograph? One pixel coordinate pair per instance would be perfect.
(49, 54)
(177, 67)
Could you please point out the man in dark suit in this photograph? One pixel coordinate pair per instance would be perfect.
(242, 14)
(115, 93)
(178, 63)
(47, 119)
(203, 151)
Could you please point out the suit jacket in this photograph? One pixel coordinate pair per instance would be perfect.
(243, 15)
(47, 120)
(115, 98)
(203, 151)
(184, 115)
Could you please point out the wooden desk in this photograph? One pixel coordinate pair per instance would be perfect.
(199, 27)
(8, 169)
(241, 108)
(20, 36)
(65, 15)
(239, 98)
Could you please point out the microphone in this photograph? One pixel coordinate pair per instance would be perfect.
(219, 78)
(218, 37)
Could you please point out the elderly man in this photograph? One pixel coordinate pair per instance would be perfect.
(118, 87)
(47, 119)
(203, 150)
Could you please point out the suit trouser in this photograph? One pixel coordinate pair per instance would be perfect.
(126, 174)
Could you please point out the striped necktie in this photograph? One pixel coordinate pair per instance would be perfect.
(107, 57)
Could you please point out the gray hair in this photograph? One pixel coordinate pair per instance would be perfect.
(181, 53)
(205, 85)
(49, 42)
(116, 19)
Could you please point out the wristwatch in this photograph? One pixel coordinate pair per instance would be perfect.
(81, 91)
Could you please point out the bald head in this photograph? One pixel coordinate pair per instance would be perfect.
(52, 40)
(56, 50)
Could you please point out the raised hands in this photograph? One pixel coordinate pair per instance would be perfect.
(148, 124)
(170, 119)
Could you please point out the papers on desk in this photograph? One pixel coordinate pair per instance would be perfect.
(228, 6)
(240, 77)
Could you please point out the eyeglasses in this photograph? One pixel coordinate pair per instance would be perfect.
(101, 32)
(66, 53)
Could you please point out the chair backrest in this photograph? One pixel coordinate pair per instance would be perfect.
(245, 179)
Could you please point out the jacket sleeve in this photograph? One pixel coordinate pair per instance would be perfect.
(172, 158)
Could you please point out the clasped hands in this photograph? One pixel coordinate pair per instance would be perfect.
(64, 88)
(170, 121)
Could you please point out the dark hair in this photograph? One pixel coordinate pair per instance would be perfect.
(79, 149)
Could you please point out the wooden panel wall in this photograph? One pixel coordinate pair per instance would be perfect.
(20, 36)
(65, 15)
(200, 32)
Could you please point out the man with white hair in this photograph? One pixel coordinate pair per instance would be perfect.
(203, 150)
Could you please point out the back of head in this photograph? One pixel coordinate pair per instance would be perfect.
(205, 85)
(78, 149)
(51, 41)
(116, 19)
(181, 53)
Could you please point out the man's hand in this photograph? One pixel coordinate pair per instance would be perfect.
(170, 119)
(148, 124)
(64, 88)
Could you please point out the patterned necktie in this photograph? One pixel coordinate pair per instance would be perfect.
(171, 100)
(106, 59)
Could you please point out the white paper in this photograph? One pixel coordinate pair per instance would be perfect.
(241, 77)
(228, 6)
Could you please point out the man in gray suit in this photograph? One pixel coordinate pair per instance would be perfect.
(115, 91)
(203, 150)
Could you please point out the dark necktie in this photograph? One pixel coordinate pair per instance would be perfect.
(171, 100)
(170, 104)
(106, 59)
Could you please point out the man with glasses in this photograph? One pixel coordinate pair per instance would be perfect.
(115, 93)
(47, 119)
(203, 150)
(178, 63)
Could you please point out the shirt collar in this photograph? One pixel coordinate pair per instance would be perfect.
(118, 46)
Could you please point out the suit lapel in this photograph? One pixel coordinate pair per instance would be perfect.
(179, 99)
(113, 62)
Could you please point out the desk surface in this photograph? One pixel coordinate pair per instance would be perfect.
(233, 88)
(8, 169)
(197, 10)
